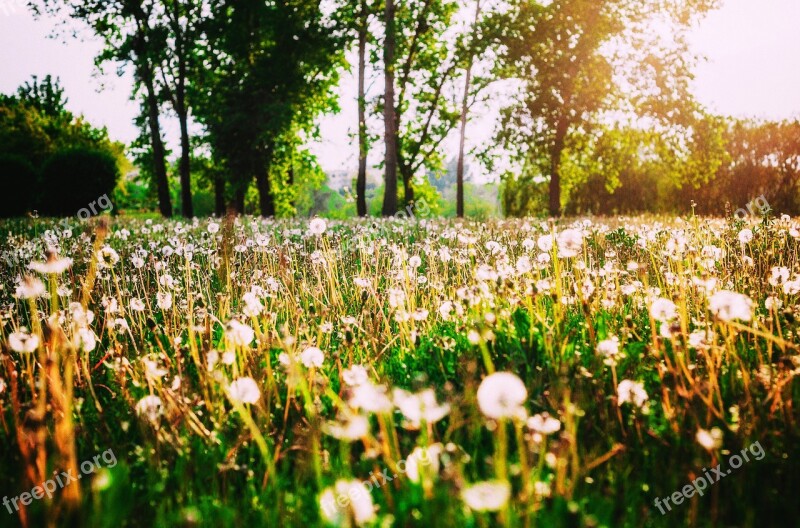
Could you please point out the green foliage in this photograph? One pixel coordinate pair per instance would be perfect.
(47, 96)
(17, 181)
(252, 113)
(73, 179)
(581, 60)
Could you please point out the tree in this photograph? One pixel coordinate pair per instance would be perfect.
(269, 69)
(426, 65)
(580, 60)
(474, 43)
(389, 112)
(363, 148)
(46, 96)
(36, 123)
(354, 17)
(76, 178)
(182, 20)
(18, 181)
(130, 36)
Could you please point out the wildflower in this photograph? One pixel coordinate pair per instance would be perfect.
(523, 265)
(350, 428)
(356, 375)
(778, 275)
(252, 304)
(212, 358)
(728, 306)
(371, 398)
(107, 257)
(244, 390)
(53, 265)
(167, 280)
(445, 309)
(609, 347)
(136, 305)
(792, 287)
(164, 300)
(312, 357)
(419, 407)
(79, 315)
(710, 440)
(663, 310)
(745, 236)
(423, 457)
(701, 339)
(542, 489)
(150, 407)
(487, 496)
(631, 392)
(420, 314)
(153, 370)
(30, 288)
(501, 395)
(544, 424)
(346, 499)
(772, 302)
(317, 226)
(228, 358)
(85, 339)
(238, 334)
(570, 243)
(23, 342)
(545, 243)
(213, 228)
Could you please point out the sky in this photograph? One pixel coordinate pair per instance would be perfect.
(752, 69)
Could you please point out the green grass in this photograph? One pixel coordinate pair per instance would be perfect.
(208, 459)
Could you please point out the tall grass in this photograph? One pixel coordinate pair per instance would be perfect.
(274, 373)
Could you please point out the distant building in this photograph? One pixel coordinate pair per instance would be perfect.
(341, 179)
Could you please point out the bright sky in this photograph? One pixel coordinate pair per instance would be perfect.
(753, 70)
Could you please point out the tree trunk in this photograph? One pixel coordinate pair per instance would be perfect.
(462, 140)
(361, 182)
(266, 202)
(160, 167)
(555, 169)
(185, 168)
(219, 195)
(408, 186)
(238, 199)
(293, 194)
(390, 115)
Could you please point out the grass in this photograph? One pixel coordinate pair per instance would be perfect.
(219, 366)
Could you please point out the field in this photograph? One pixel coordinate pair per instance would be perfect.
(248, 372)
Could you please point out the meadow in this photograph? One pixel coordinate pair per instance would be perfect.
(247, 372)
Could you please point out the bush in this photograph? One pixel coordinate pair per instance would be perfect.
(75, 179)
(18, 186)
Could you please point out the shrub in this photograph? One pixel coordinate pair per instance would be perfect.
(73, 179)
(17, 186)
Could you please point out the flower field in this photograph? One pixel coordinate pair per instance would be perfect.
(248, 372)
